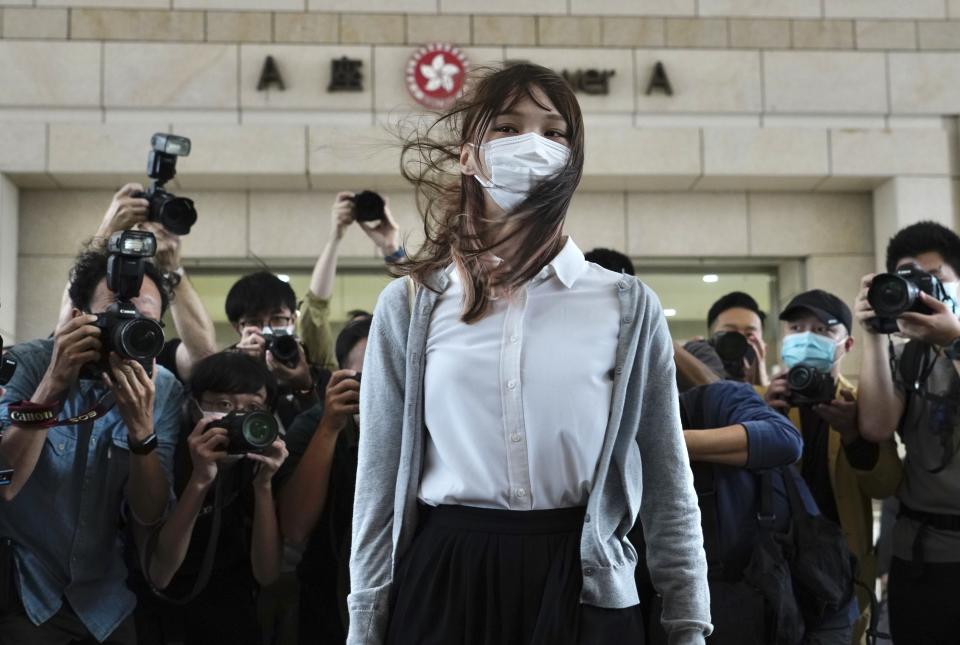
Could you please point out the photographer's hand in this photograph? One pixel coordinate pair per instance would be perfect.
(938, 328)
(298, 377)
(777, 394)
(269, 463)
(125, 212)
(341, 401)
(841, 414)
(75, 343)
(167, 257)
(134, 392)
(341, 215)
(386, 233)
(862, 310)
(206, 449)
(252, 342)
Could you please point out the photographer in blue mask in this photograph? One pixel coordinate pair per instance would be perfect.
(843, 471)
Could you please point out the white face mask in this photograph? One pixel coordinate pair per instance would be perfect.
(517, 164)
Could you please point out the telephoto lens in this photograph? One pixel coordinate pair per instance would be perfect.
(368, 206)
(248, 431)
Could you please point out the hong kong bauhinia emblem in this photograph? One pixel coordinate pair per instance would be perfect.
(436, 74)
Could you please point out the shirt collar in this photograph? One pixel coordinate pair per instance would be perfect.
(568, 265)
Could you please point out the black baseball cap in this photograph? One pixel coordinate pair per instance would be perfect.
(828, 308)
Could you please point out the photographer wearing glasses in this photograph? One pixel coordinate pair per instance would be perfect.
(228, 451)
(90, 425)
(913, 389)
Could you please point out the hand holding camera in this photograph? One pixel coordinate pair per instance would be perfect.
(269, 462)
(75, 344)
(208, 446)
(374, 217)
(287, 360)
(342, 400)
(940, 327)
(127, 210)
(841, 415)
(909, 301)
(134, 391)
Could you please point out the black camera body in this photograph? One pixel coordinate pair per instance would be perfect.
(130, 334)
(368, 206)
(893, 294)
(283, 345)
(124, 329)
(176, 214)
(248, 431)
(809, 386)
(8, 365)
(732, 347)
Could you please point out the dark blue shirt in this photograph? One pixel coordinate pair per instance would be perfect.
(65, 520)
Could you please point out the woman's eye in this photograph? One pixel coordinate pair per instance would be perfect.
(556, 133)
(504, 128)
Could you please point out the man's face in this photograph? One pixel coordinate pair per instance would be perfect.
(740, 320)
(279, 318)
(931, 262)
(147, 302)
(837, 334)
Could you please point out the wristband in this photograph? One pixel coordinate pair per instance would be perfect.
(396, 256)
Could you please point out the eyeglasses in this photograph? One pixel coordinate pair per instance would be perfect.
(272, 321)
(226, 407)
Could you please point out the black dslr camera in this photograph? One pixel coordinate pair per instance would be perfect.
(893, 294)
(283, 345)
(8, 365)
(248, 431)
(124, 329)
(732, 347)
(176, 214)
(368, 206)
(809, 386)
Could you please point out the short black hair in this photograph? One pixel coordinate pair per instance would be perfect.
(924, 237)
(353, 314)
(259, 293)
(611, 260)
(734, 300)
(90, 268)
(232, 372)
(354, 331)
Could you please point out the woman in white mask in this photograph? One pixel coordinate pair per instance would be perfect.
(519, 406)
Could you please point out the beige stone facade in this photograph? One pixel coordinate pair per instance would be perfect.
(800, 135)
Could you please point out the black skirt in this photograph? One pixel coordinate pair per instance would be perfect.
(495, 577)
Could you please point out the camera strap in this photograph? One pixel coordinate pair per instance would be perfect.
(209, 553)
(41, 416)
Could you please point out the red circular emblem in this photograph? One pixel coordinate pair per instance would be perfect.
(436, 74)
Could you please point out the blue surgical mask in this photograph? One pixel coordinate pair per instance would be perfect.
(809, 349)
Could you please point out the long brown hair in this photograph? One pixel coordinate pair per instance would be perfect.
(452, 204)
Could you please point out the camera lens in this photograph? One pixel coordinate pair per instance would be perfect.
(731, 346)
(890, 295)
(140, 339)
(260, 430)
(177, 214)
(801, 378)
(286, 349)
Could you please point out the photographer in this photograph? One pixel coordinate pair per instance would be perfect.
(315, 310)
(262, 309)
(59, 522)
(316, 487)
(917, 394)
(844, 471)
(732, 319)
(212, 464)
(734, 441)
(197, 338)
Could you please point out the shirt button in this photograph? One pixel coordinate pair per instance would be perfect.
(62, 446)
(627, 319)
(512, 384)
(521, 492)
(514, 338)
(515, 437)
(586, 518)
(588, 571)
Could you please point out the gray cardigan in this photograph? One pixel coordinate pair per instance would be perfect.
(643, 467)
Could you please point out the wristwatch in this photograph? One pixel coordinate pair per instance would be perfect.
(144, 447)
(952, 349)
